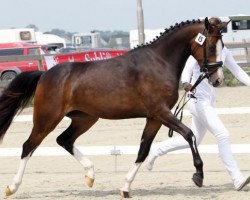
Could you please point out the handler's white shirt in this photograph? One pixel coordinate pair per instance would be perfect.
(205, 91)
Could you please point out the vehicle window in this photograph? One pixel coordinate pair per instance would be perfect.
(241, 25)
(86, 40)
(11, 52)
(34, 51)
(25, 35)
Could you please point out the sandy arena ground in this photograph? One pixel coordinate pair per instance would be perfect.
(61, 177)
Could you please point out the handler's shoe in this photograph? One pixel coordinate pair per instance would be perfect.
(243, 184)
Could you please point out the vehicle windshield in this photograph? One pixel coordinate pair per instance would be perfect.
(36, 51)
(241, 24)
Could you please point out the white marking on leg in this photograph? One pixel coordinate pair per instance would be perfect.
(130, 176)
(87, 164)
(18, 177)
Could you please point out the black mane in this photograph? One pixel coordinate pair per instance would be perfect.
(168, 31)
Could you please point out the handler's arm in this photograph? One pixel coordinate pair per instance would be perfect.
(235, 69)
(187, 73)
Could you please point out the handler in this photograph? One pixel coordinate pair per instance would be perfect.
(204, 117)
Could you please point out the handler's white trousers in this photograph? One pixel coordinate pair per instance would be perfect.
(204, 117)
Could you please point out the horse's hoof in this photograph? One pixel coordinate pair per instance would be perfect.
(125, 194)
(89, 181)
(198, 179)
(8, 192)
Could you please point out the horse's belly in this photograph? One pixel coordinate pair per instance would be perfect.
(112, 112)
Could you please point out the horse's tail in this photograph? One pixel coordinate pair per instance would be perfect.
(16, 96)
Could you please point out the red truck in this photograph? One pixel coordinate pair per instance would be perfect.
(9, 70)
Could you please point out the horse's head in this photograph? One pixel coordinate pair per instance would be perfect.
(206, 48)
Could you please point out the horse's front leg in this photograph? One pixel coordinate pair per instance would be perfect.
(169, 120)
(150, 130)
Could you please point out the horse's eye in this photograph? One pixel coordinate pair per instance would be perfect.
(212, 49)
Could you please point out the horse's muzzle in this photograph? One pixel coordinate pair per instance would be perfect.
(217, 83)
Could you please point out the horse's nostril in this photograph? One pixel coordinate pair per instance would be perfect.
(217, 83)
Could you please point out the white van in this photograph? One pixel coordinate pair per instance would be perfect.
(26, 35)
(86, 40)
(238, 29)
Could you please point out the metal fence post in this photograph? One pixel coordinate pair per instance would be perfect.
(115, 152)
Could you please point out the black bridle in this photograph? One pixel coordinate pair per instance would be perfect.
(206, 66)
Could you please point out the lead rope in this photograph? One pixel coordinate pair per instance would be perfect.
(184, 101)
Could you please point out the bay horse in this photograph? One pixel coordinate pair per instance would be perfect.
(142, 83)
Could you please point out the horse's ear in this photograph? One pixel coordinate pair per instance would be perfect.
(224, 25)
(207, 23)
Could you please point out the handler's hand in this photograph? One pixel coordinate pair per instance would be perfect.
(187, 86)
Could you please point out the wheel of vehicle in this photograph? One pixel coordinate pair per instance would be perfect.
(8, 76)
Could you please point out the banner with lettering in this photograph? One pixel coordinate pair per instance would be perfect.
(52, 60)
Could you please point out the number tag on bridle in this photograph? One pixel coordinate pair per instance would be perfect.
(200, 39)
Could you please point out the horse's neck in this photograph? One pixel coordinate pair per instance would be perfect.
(175, 48)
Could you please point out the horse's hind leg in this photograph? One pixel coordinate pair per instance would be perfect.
(78, 126)
(149, 133)
(42, 127)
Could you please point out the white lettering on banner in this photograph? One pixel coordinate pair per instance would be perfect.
(86, 57)
(97, 56)
(108, 56)
(71, 59)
